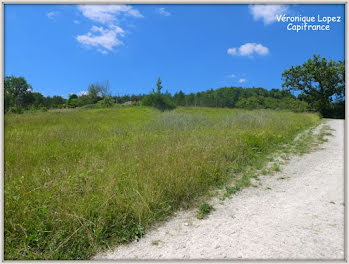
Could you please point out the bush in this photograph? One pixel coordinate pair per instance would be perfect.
(297, 105)
(32, 109)
(84, 100)
(204, 210)
(43, 109)
(72, 102)
(160, 101)
(16, 109)
(106, 102)
(334, 110)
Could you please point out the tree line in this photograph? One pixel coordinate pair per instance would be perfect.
(19, 95)
(320, 85)
(238, 97)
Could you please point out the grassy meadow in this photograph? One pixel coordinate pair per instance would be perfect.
(78, 181)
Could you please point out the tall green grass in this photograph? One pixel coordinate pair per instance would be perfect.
(81, 180)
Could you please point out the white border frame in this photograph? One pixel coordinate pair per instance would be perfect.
(72, 2)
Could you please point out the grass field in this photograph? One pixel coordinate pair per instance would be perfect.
(78, 181)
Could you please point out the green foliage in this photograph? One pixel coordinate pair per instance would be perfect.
(79, 181)
(93, 93)
(97, 91)
(259, 102)
(73, 96)
(84, 100)
(253, 102)
(246, 98)
(204, 210)
(232, 190)
(138, 232)
(37, 99)
(276, 167)
(241, 183)
(160, 101)
(320, 81)
(8, 101)
(55, 101)
(158, 85)
(106, 102)
(336, 110)
(73, 102)
(179, 98)
(17, 92)
(16, 109)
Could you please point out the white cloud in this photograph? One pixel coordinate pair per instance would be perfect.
(242, 80)
(232, 75)
(107, 13)
(248, 49)
(231, 51)
(52, 14)
(104, 38)
(163, 12)
(83, 93)
(267, 12)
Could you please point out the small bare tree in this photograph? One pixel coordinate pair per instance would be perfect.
(104, 88)
(98, 90)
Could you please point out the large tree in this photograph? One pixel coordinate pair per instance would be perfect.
(17, 92)
(320, 82)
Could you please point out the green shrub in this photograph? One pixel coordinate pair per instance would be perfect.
(73, 102)
(84, 100)
(335, 110)
(16, 109)
(32, 109)
(160, 101)
(204, 210)
(106, 102)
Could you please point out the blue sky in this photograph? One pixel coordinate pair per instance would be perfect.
(61, 49)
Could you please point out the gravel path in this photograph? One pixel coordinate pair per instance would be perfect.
(297, 213)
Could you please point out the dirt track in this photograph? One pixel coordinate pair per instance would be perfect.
(297, 213)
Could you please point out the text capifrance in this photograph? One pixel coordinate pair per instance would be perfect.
(308, 23)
